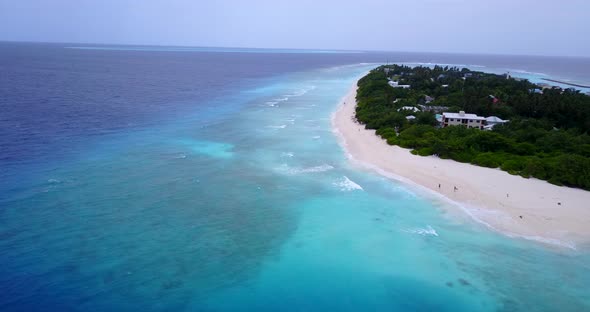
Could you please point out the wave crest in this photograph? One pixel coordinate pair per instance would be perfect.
(293, 171)
(347, 185)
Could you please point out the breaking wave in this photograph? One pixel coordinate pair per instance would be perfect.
(346, 185)
(293, 171)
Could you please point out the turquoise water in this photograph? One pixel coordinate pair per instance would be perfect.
(261, 210)
(374, 244)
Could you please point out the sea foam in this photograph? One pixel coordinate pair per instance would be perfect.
(346, 185)
(293, 171)
(427, 231)
(300, 92)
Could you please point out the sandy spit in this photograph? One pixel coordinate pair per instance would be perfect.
(527, 208)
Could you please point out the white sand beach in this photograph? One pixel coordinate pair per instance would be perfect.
(528, 208)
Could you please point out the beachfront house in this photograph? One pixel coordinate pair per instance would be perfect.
(433, 108)
(409, 108)
(493, 121)
(395, 84)
(462, 119)
(438, 118)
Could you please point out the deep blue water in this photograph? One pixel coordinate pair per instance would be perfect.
(162, 178)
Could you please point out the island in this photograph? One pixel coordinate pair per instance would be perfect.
(546, 136)
(513, 155)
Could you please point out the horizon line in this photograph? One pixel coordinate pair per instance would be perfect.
(89, 44)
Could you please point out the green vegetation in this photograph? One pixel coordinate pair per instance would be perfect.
(546, 138)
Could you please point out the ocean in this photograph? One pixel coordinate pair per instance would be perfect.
(204, 179)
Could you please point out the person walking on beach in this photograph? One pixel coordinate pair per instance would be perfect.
(439, 185)
(455, 188)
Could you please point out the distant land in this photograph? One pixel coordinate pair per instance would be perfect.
(567, 83)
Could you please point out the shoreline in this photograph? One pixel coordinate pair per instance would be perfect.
(512, 205)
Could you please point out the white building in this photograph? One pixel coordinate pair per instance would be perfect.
(462, 119)
(409, 108)
(396, 84)
(493, 120)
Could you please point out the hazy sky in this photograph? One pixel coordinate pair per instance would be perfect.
(541, 27)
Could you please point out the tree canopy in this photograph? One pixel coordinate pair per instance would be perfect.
(546, 138)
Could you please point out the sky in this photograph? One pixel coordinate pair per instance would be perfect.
(530, 27)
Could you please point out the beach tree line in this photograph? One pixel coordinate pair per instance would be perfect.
(546, 138)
